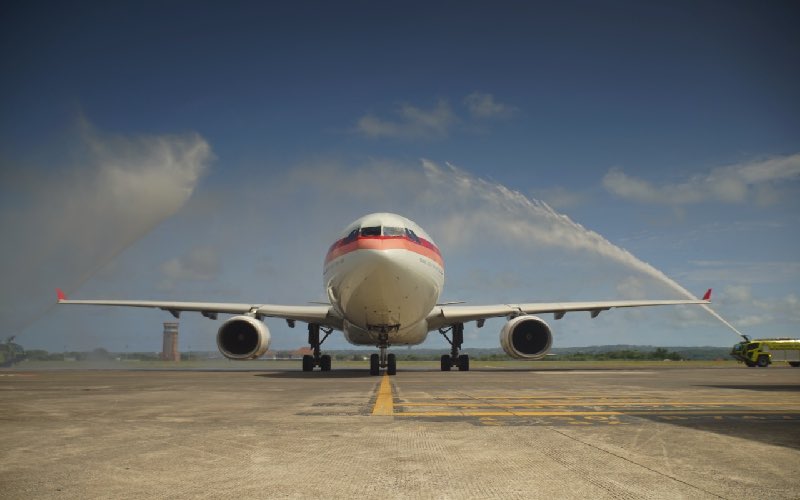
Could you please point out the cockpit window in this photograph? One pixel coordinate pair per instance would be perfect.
(412, 236)
(393, 231)
(371, 231)
(351, 237)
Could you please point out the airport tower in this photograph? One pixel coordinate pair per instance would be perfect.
(170, 351)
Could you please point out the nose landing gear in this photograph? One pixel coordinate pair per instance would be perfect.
(384, 359)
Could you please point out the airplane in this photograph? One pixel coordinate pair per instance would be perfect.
(383, 278)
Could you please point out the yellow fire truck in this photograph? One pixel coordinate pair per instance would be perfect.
(762, 352)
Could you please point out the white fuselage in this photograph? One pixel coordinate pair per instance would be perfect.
(384, 276)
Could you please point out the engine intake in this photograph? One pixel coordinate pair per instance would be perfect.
(243, 337)
(526, 337)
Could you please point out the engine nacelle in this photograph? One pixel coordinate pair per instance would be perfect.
(243, 337)
(526, 337)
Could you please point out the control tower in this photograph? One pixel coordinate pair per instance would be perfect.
(170, 351)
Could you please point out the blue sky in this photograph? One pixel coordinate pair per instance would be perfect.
(197, 151)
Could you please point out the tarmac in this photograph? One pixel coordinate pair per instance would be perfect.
(612, 432)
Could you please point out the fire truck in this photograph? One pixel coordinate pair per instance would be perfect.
(762, 352)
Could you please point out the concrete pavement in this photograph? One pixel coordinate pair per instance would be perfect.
(280, 433)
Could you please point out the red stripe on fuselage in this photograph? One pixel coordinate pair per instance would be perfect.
(423, 247)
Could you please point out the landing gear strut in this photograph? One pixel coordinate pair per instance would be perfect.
(317, 359)
(383, 360)
(454, 359)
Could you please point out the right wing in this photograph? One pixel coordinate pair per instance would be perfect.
(323, 315)
(444, 315)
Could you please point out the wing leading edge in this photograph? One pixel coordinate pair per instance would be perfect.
(443, 316)
(323, 315)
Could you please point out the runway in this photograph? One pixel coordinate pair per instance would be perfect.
(276, 432)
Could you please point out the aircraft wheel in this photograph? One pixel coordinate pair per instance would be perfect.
(374, 364)
(391, 364)
(325, 363)
(763, 361)
(463, 363)
(446, 363)
(308, 363)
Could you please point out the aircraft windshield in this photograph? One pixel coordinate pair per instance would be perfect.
(393, 231)
(351, 237)
(375, 231)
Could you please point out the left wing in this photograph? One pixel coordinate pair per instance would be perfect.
(323, 315)
(444, 315)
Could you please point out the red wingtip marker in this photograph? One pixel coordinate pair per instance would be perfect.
(61, 295)
(707, 296)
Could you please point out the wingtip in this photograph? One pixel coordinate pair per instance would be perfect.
(61, 295)
(707, 296)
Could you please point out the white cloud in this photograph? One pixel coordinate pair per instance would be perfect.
(560, 198)
(411, 123)
(371, 182)
(783, 310)
(200, 264)
(758, 181)
(67, 221)
(737, 300)
(737, 294)
(747, 310)
(483, 106)
(751, 320)
(631, 287)
(721, 271)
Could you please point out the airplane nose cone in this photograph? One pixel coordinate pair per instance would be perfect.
(387, 288)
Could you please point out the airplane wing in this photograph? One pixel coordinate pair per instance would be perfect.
(323, 315)
(445, 315)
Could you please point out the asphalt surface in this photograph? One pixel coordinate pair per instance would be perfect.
(555, 433)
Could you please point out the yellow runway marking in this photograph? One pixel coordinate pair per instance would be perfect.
(562, 399)
(511, 413)
(487, 407)
(484, 402)
(505, 413)
(384, 405)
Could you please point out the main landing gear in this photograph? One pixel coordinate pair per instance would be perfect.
(383, 360)
(454, 359)
(317, 359)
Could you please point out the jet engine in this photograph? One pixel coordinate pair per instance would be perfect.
(243, 337)
(526, 337)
